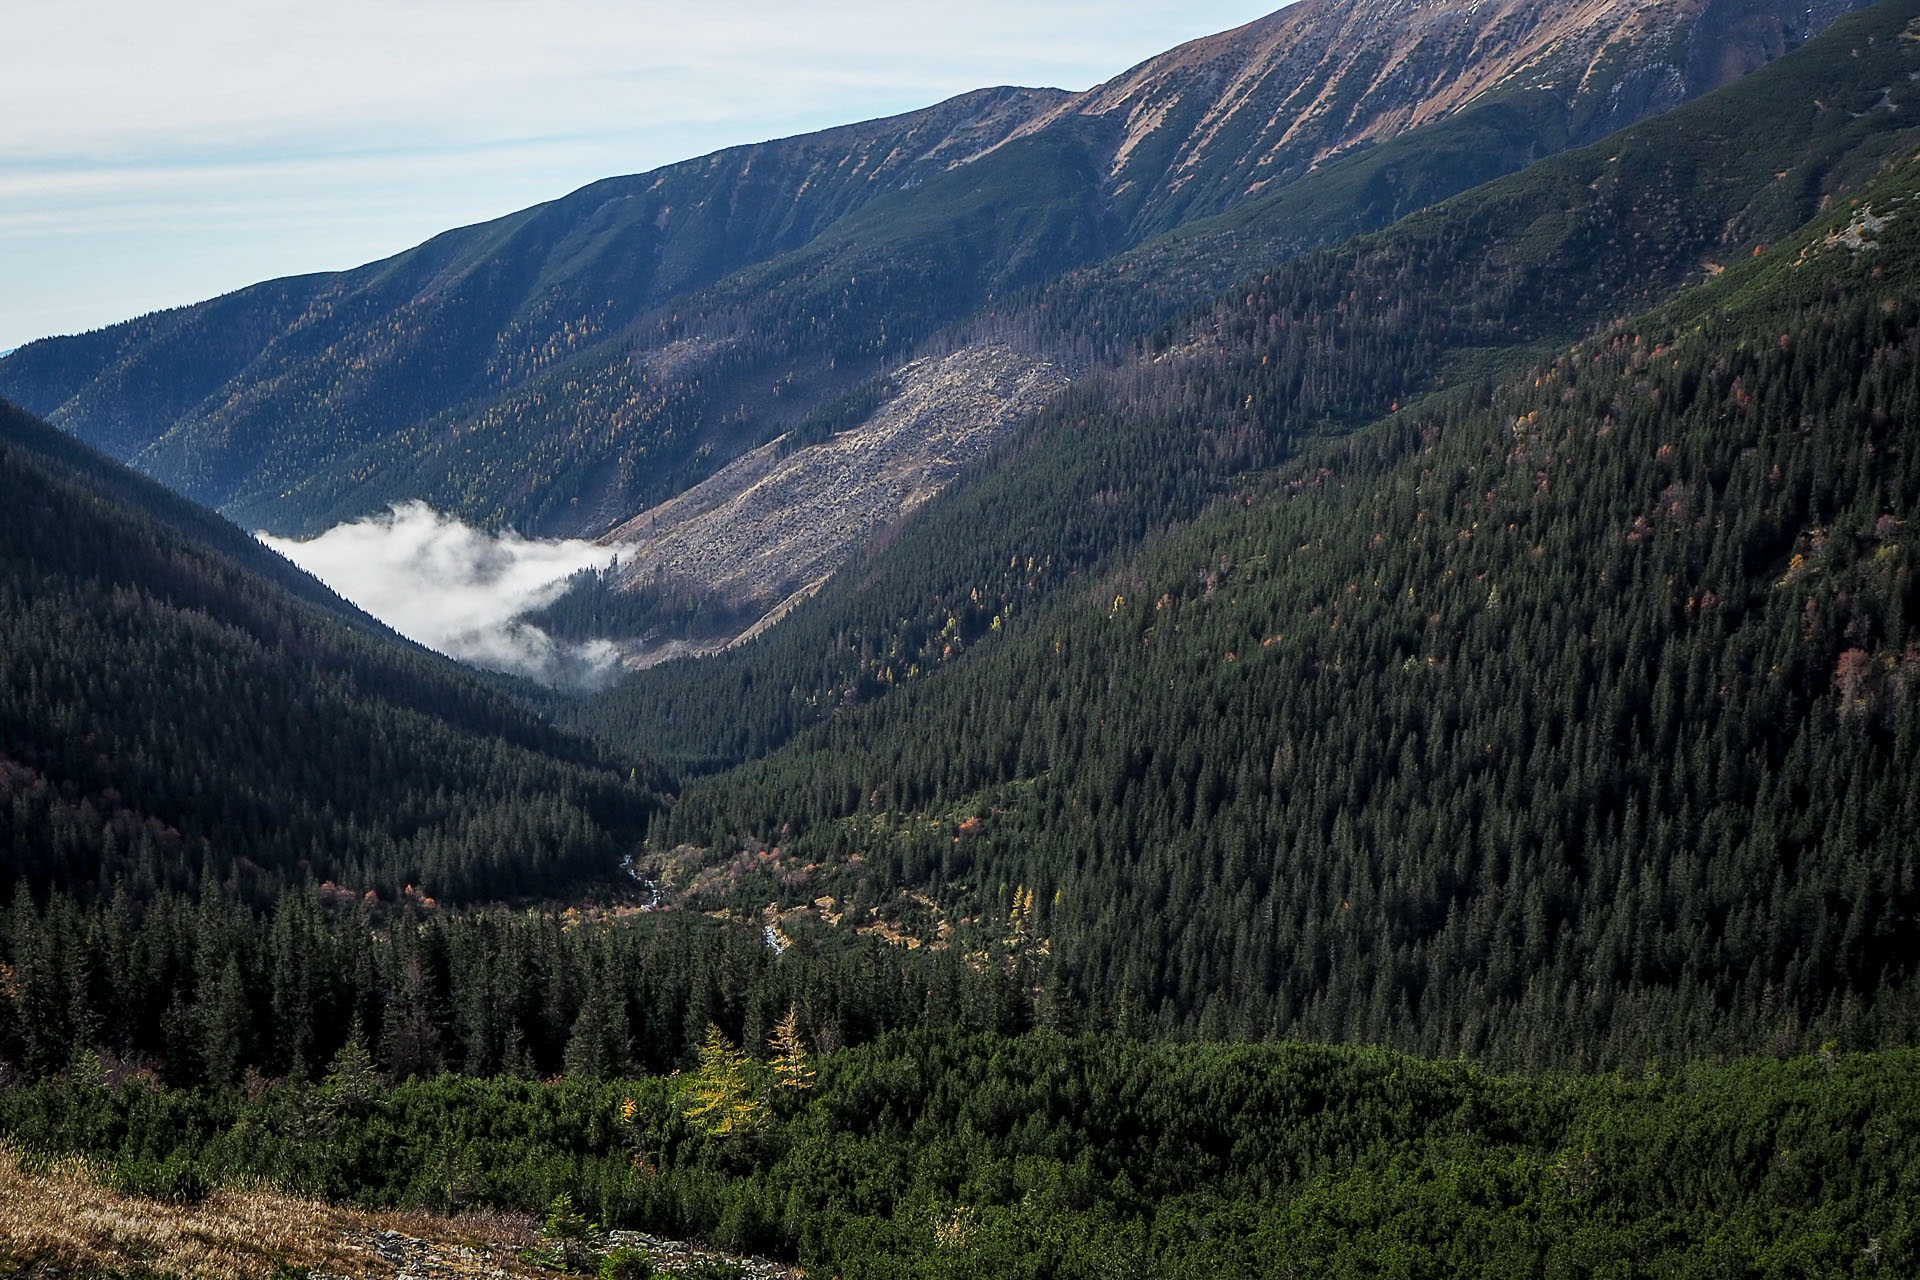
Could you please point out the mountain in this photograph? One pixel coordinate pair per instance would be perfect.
(1221, 120)
(1564, 720)
(570, 366)
(1561, 713)
(1480, 283)
(180, 706)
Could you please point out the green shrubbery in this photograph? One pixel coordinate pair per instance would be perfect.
(623, 1262)
(176, 1179)
(979, 1155)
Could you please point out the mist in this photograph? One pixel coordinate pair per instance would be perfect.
(459, 590)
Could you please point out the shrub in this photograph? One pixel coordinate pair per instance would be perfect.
(177, 1179)
(626, 1263)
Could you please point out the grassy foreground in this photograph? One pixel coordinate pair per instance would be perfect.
(60, 1218)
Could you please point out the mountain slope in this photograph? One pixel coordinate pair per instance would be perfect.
(322, 362)
(178, 704)
(1568, 719)
(1566, 716)
(1214, 122)
(1455, 292)
(570, 365)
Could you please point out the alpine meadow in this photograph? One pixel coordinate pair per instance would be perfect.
(1304, 663)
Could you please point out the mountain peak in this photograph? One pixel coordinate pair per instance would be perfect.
(1225, 117)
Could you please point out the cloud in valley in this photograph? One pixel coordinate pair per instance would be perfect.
(459, 590)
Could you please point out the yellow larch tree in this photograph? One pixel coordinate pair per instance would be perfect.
(791, 1068)
(720, 1097)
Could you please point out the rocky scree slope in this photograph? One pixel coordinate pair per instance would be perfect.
(768, 528)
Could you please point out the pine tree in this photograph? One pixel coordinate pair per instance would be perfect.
(222, 1015)
(350, 1081)
(721, 1098)
(791, 1067)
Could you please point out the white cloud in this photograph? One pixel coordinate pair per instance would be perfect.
(459, 590)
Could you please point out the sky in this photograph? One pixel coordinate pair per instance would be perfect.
(158, 154)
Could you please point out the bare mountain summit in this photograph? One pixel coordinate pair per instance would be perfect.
(1220, 119)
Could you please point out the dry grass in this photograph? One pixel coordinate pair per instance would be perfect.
(57, 1220)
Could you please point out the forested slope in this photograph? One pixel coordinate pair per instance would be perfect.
(239, 822)
(1314, 347)
(177, 703)
(1565, 717)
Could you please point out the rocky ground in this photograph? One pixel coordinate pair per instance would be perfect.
(405, 1257)
(766, 530)
(412, 1258)
(674, 1255)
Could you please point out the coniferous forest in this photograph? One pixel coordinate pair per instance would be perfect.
(1410, 767)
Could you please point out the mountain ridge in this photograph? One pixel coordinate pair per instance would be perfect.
(1333, 61)
(439, 372)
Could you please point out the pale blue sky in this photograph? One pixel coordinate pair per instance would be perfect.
(153, 154)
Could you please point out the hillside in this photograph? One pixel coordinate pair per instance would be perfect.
(1563, 716)
(245, 829)
(1316, 347)
(765, 531)
(566, 367)
(180, 705)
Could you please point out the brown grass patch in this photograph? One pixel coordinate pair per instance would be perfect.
(56, 1219)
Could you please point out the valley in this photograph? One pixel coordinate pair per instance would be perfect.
(1304, 662)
